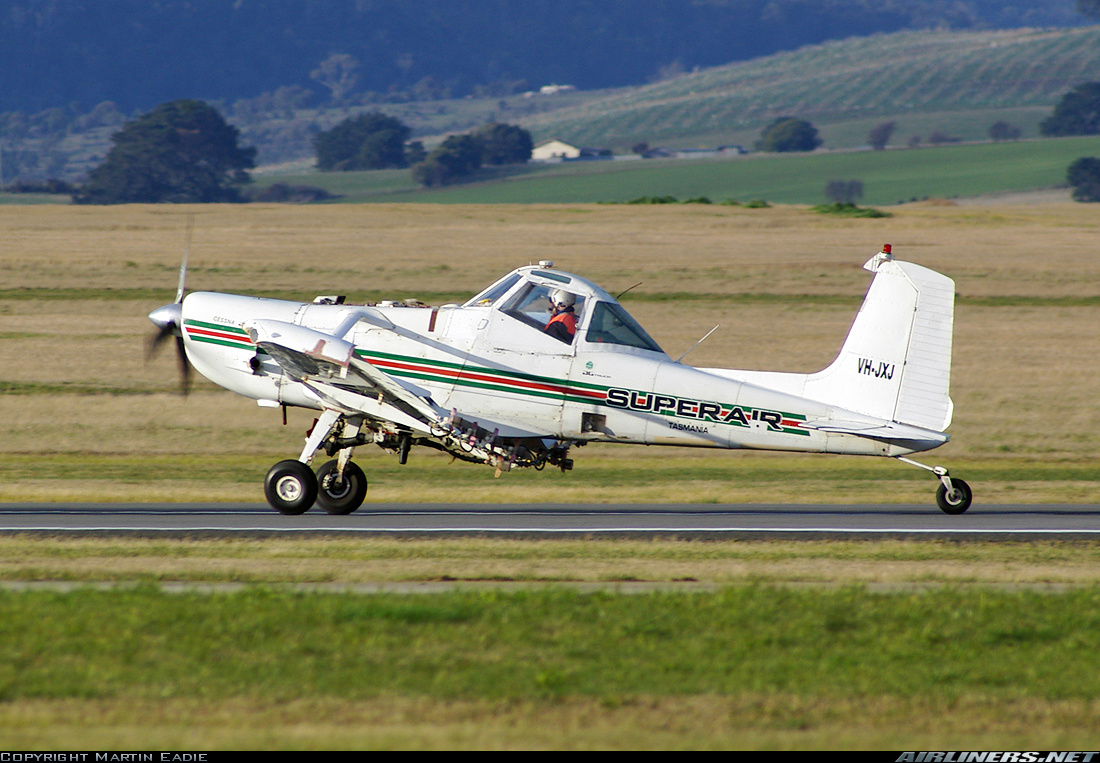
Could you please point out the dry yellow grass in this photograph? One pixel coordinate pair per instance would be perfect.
(1024, 379)
(746, 721)
(340, 562)
(1014, 249)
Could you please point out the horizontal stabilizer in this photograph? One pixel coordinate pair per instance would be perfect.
(878, 431)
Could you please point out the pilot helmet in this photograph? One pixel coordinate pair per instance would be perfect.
(562, 298)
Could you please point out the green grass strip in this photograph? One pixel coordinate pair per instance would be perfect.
(945, 643)
(70, 388)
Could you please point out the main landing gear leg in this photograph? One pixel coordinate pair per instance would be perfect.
(953, 496)
(341, 484)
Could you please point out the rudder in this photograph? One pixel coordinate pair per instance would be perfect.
(896, 362)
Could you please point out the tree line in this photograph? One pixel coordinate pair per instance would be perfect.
(376, 141)
(185, 151)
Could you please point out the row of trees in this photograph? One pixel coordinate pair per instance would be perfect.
(461, 155)
(184, 151)
(1077, 113)
(790, 134)
(376, 141)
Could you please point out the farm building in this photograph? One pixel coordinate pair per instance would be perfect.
(554, 149)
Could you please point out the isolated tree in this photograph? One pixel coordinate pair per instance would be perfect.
(181, 152)
(844, 191)
(337, 73)
(1084, 176)
(1078, 113)
(504, 144)
(367, 142)
(788, 134)
(1001, 131)
(880, 134)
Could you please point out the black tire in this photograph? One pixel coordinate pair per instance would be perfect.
(290, 487)
(338, 496)
(959, 501)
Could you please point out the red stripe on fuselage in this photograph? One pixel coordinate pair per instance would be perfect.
(219, 334)
(463, 374)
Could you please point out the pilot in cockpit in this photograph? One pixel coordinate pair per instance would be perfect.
(563, 319)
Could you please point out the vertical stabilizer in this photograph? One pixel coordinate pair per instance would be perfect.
(896, 361)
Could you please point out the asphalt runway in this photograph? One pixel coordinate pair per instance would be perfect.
(1019, 521)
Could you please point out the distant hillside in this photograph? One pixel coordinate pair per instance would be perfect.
(137, 53)
(953, 82)
(877, 77)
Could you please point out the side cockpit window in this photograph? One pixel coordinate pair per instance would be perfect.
(611, 324)
(550, 309)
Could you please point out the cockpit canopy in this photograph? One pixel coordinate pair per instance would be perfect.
(528, 294)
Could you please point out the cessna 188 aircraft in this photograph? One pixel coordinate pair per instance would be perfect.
(543, 360)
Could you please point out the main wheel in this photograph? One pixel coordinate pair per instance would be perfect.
(341, 496)
(958, 500)
(290, 487)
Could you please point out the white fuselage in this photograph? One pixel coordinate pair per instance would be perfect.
(484, 363)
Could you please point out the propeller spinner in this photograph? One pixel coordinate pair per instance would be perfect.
(169, 322)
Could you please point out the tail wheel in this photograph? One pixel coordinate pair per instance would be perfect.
(290, 487)
(955, 501)
(338, 495)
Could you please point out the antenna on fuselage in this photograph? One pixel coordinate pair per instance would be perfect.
(624, 292)
(705, 337)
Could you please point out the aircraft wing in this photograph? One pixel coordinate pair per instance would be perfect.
(329, 367)
(327, 363)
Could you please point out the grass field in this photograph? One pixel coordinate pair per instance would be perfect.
(85, 415)
(335, 643)
(888, 177)
(891, 645)
(550, 668)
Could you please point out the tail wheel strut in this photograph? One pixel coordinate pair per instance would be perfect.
(953, 495)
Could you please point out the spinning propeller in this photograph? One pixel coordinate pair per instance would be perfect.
(169, 322)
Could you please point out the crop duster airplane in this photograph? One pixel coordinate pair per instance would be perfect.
(544, 360)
